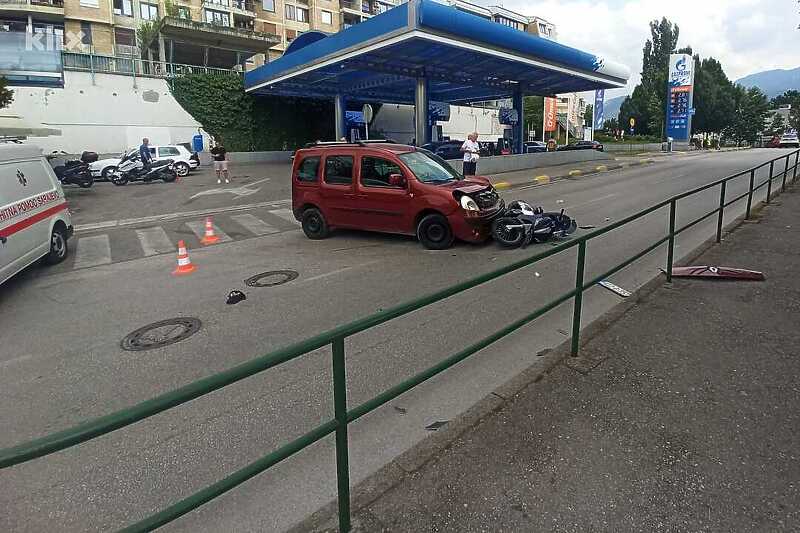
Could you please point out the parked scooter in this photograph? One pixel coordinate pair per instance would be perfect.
(74, 171)
(131, 168)
(520, 224)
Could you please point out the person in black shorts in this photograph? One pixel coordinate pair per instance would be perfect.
(220, 156)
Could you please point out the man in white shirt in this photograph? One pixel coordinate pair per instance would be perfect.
(471, 150)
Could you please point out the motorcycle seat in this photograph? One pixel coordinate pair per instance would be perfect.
(161, 163)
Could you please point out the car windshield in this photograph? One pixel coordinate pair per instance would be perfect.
(429, 168)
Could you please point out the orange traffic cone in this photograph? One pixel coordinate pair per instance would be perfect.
(209, 237)
(185, 265)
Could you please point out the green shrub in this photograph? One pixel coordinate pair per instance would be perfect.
(248, 123)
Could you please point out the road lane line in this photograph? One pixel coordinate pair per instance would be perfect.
(341, 270)
(199, 229)
(154, 241)
(285, 214)
(254, 224)
(93, 251)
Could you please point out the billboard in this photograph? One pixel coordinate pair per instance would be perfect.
(599, 103)
(550, 114)
(680, 83)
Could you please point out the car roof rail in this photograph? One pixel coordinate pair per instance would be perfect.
(346, 143)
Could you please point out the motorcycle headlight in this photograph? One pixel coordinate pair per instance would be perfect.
(469, 204)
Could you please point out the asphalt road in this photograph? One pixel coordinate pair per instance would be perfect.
(62, 363)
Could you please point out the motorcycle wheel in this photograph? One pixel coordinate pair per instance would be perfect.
(509, 238)
(86, 183)
(169, 176)
(119, 179)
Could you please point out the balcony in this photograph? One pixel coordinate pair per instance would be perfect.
(51, 7)
(126, 50)
(205, 34)
(245, 8)
(362, 7)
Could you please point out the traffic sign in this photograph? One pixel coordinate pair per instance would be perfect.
(633, 122)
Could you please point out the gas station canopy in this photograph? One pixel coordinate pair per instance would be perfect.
(423, 51)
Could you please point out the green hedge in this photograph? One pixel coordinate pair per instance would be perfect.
(252, 123)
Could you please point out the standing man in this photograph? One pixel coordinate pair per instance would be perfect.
(471, 150)
(146, 157)
(220, 161)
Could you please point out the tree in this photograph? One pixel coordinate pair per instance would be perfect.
(611, 125)
(648, 102)
(588, 116)
(713, 97)
(533, 116)
(749, 113)
(6, 94)
(789, 97)
(777, 126)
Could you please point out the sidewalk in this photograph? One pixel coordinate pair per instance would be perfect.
(689, 421)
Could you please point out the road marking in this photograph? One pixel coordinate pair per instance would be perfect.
(199, 229)
(285, 214)
(542, 179)
(244, 190)
(594, 201)
(502, 185)
(341, 270)
(174, 216)
(601, 168)
(93, 251)
(254, 225)
(154, 241)
(575, 172)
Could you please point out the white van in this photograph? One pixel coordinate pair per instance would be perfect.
(34, 219)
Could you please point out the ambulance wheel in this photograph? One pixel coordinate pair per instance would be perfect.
(58, 247)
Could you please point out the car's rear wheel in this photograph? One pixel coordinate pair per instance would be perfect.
(58, 247)
(434, 232)
(181, 169)
(314, 224)
(108, 172)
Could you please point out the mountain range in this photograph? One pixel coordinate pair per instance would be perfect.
(773, 82)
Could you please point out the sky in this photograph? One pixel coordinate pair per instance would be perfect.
(746, 36)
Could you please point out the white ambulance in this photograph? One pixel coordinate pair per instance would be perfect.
(34, 219)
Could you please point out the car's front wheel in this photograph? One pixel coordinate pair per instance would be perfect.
(314, 224)
(434, 232)
(181, 169)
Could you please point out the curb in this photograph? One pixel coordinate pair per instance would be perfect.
(363, 494)
(572, 174)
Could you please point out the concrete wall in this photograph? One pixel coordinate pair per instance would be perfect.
(260, 157)
(510, 163)
(107, 116)
(397, 122)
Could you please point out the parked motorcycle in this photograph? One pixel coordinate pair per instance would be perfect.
(73, 171)
(520, 224)
(131, 168)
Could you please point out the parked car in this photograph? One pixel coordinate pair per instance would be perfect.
(34, 220)
(530, 147)
(183, 158)
(582, 145)
(445, 149)
(789, 140)
(391, 188)
(775, 142)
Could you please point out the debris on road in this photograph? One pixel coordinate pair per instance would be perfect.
(400, 410)
(590, 226)
(614, 288)
(436, 425)
(717, 272)
(234, 297)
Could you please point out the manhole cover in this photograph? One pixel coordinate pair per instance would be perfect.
(159, 334)
(270, 279)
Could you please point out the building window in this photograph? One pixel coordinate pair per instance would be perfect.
(90, 3)
(123, 7)
(86, 33)
(124, 37)
(290, 12)
(291, 35)
(184, 13)
(268, 5)
(148, 11)
(218, 18)
(302, 14)
(382, 8)
(327, 17)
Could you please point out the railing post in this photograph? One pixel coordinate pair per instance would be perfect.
(721, 211)
(673, 204)
(785, 173)
(769, 184)
(750, 194)
(340, 414)
(578, 301)
(796, 161)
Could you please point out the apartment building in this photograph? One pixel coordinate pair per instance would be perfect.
(533, 25)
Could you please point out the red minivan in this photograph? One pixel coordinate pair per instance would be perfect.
(391, 188)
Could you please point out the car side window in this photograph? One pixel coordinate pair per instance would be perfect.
(166, 151)
(309, 169)
(339, 169)
(375, 172)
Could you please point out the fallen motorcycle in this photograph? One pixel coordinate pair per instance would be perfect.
(520, 224)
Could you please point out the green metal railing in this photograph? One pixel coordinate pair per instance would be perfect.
(134, 66)
(336, 337)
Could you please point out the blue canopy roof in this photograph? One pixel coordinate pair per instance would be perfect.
(465, 58)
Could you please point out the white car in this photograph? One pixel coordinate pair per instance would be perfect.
(789, 140)
(34, 219)
(184, 160)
